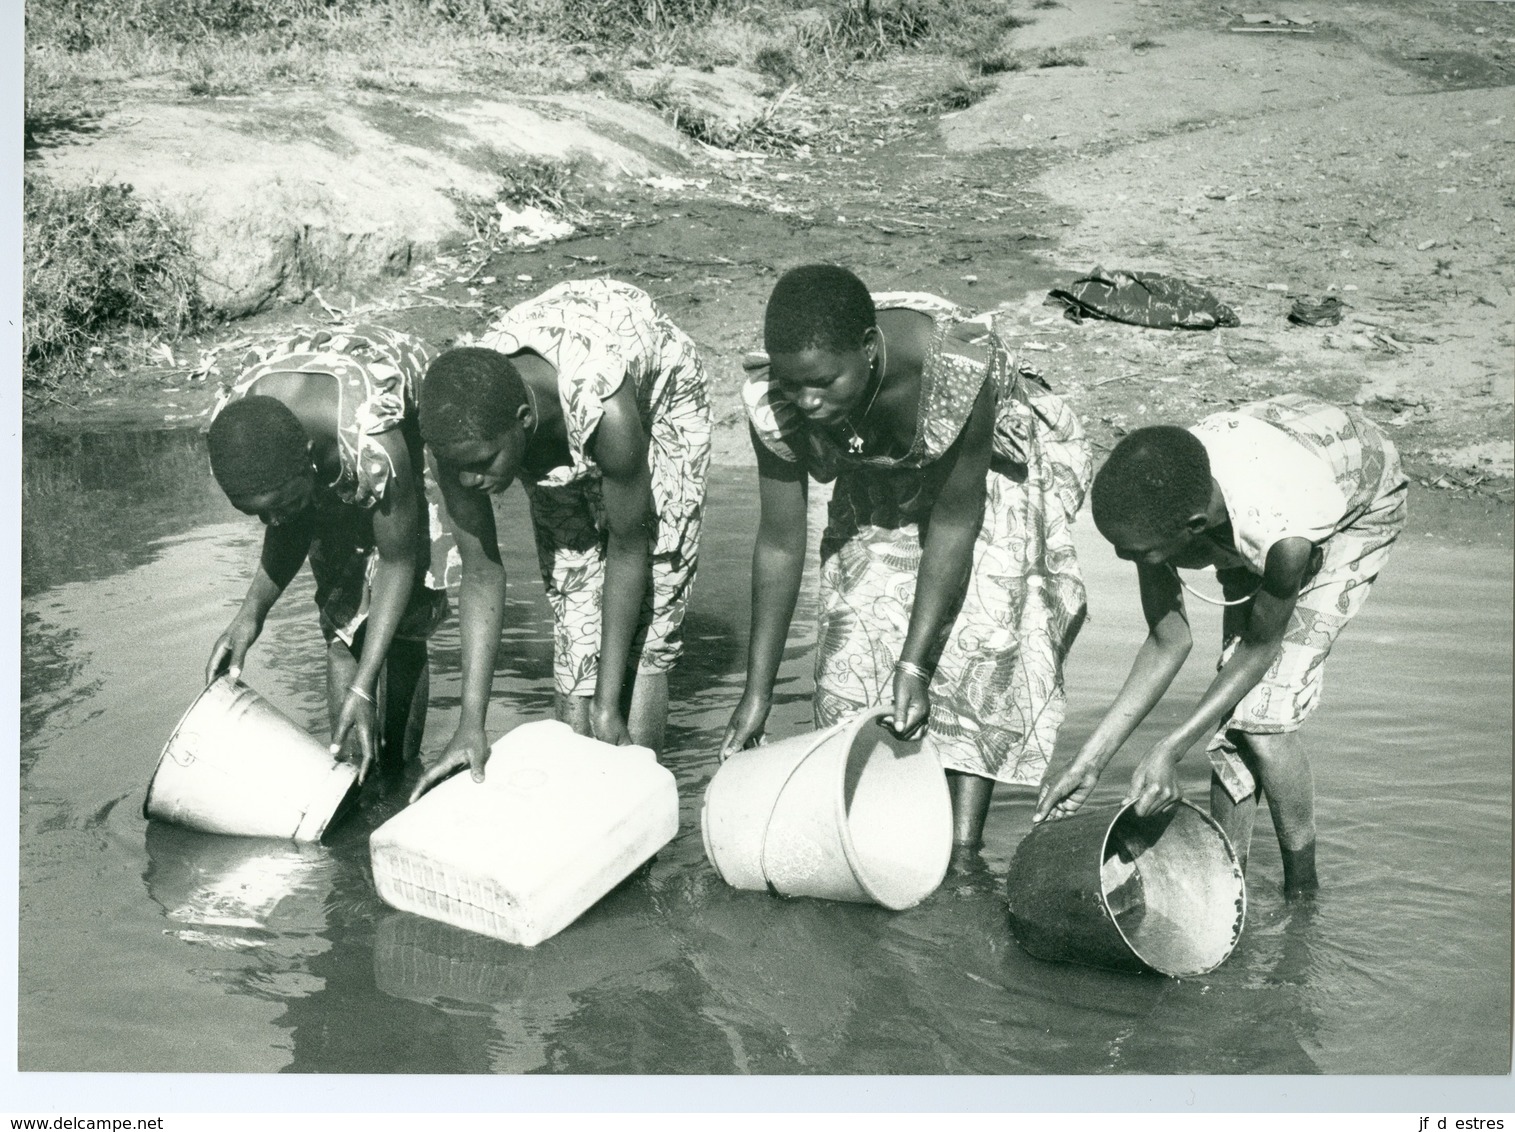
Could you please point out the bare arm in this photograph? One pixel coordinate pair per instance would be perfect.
(398, 522)
(946, 558)
(620, 450)
(481, 612)
(284, 550)
(1159, 659)
(778, 564)
(1154, 786)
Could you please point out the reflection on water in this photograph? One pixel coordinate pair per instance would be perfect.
(147, 947)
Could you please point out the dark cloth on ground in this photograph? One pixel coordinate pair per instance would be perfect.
(1144, 298)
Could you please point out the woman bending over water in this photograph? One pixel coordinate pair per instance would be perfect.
(592, 398)
(949, 583)
(318, 437)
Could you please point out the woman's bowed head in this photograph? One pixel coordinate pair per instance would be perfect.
(824, 346)
(1155, 501)
(261, 458)
(479, 417)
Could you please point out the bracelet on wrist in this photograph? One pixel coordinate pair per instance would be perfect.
(921, 674)
(354, 690)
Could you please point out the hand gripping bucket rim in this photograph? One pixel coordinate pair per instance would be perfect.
(817, 826)
(861, 869)
(322, 806)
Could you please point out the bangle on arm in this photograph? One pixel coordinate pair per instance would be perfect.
(921, 674)
(354, 690)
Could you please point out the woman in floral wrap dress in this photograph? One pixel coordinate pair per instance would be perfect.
(317, 436)
(599, 404)
(949, 584)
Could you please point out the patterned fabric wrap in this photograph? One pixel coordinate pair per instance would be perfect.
(598, 334)
(1367, 469)
(1146, 299)
(997, 694)
(378, 372)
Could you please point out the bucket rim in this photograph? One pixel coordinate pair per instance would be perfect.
(174, 734)
(1104, 903)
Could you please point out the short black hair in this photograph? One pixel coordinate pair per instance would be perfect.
(1155, 478)
(257, 444)
(820, 306)
(469, 394)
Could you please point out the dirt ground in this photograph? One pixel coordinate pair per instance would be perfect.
(1363, 151)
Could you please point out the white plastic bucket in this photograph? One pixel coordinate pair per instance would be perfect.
(852, 813)
(739, 802)
(235, 764)
(559, 820)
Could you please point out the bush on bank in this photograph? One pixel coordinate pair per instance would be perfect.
(96, 261)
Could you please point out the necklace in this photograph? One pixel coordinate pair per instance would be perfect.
(1212, 600)
(879, 368)
(536, 418)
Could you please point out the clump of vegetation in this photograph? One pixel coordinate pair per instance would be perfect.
(778, 62)
(1059, 57)
(616, 20)
(769, 132)
(96, 260)
(204, 82)
(865, 29)
(957, 93)
(1144, 44)
(557, 187)
(997, 62)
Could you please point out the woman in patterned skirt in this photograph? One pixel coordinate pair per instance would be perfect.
(317, 436)
(600, 406)
(949, 585)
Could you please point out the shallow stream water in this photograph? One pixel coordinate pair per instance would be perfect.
(152, 948)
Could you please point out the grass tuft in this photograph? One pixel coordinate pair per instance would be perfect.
(1059, 57)
(96, 260)
(557, 187)
(957, 93)
(997, 62)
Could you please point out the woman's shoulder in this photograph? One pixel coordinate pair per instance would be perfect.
(921, 302)
(773, 417)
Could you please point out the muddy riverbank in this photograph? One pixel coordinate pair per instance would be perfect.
(1364, 154)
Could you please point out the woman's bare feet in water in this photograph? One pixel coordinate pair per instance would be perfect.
(1300, 881)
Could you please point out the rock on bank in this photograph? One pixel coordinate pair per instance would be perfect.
(292, 190)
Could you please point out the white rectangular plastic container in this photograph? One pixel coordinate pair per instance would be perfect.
(558, 821)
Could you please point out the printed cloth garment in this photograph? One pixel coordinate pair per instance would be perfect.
(378, 372)
(597, 334)
(997, 693)
(1145, 299)
(1294, 466)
